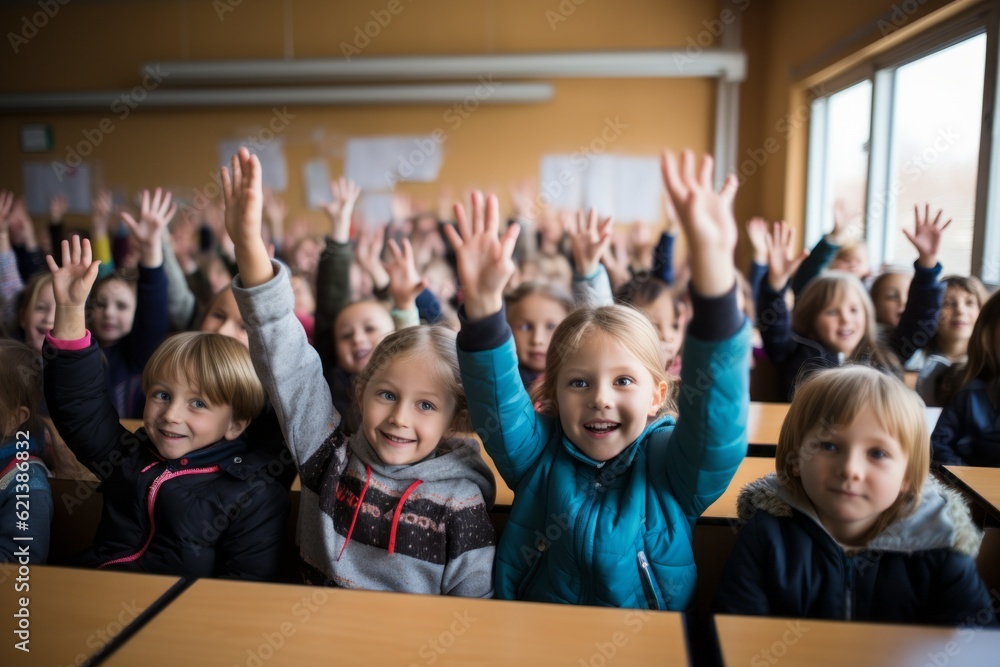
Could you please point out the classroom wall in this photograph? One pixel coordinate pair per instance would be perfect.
(101, 44)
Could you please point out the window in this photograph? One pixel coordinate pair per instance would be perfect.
(905, 131)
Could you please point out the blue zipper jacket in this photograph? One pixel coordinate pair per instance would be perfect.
(615, 533)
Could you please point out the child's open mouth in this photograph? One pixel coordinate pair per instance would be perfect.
(602, 428)
(396, 440)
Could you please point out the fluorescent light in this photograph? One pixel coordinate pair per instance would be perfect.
(727, 64)
(483, 93)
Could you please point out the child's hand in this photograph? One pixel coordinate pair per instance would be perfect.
(841, 224)
(485, 263)
(616, 260)
(368, 254)
(244, 198)
(590, 240)
(707, 219)
(71, 284)
(757, 234)
(57, 208)
(782, 262)
(154, 217)
(341, 208)
(405, 283)
(102, 205)
(926, 236)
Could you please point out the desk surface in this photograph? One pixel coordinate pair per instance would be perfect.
(227, 623)
(72, 613)
(724, 509)
(746, 640)
(982, 483)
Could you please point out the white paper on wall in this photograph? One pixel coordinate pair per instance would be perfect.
(379, 163)
(600, 185)
(42, 182)
(639, 189)
(629, 188)
(274, 167)
(561, 182)
(374, 209)
(316, 174)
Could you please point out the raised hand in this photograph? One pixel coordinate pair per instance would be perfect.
(101, 205)
(757, 233)
(405, 282)
(842, 230)
(57, 208)
(71, 284)
(156, 212)
(707, 219)
(341, 208)
(590, 240)
(484, 259)
(368, 254)
(926, 236)
(243, 194)
(782, 260)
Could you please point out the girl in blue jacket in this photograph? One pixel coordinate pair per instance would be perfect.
(606, 493)
(850, 527)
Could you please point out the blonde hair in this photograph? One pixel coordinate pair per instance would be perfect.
(20, 382)
(551, 291)
(628, 326)
(830, 288)
(217, 365)
(833, 398)
(29, 295)
(438, 341)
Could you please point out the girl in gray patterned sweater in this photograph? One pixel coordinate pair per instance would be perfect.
(401, 505)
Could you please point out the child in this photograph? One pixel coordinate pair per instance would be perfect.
(24, 486)
(606, 492)
(963, 299)
(402, 504)
(968, 430)
(130, 323)
(36, 311)
(851, 527)
(217, 511)
(534, 310)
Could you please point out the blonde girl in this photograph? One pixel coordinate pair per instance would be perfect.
(850, 526)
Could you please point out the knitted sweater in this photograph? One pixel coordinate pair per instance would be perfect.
(419, 528)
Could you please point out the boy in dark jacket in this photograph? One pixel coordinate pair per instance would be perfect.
(183, 495)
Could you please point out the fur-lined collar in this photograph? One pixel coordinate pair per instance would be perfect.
(941, 520)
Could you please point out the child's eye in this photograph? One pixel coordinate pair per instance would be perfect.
(524, 326)
(827, 447)
(218, 315)
(877, 454)
(578, 383)
(624, 381)
(386, 395)
(161, 396)
(198, 403)
(551, 326)
(425, 406)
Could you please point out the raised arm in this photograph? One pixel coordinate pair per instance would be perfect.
(590, 240)
(773, 318)
(715, 386)
(918, 322)
(499, 407)
(288, 367)
(824, 251)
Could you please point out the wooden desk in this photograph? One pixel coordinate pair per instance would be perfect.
(745, 640)
(723, 510)
(73, 613)
(217, 622)
(983, 484)
(764, 422)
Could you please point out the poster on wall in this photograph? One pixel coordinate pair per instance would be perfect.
(274, 166)
(378, 163)
(41, 183)
(629, 188)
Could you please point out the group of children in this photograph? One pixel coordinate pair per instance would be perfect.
(612, 403)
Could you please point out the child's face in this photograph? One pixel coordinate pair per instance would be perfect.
(959, 311)
(39, 318)
(855, 261)
(406, 410)
(852, 476)
(841, 325)
(662, 312)
(533, 319)
(890, 301)
(224, 317)
(307, 256)
(304, 301)
(179, 420)
(114, 311)
(358, 329)
(605, 396)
